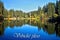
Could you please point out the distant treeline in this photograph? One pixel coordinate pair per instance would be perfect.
(48, 10)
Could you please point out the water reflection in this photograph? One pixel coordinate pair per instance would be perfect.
(50, 28)
(1, 28)
(57, 30)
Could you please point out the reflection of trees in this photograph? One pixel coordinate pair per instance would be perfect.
(57, 30)
(11, 24)
(33, 22)
(1, 28)
(21, 22)
(14, 23)
(54, 23)
(49, 28)
(6, 24)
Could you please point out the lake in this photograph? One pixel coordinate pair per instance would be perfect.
(28, 30)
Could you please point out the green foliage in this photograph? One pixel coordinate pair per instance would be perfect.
(58, 7)
(1, 7)
(51, 9)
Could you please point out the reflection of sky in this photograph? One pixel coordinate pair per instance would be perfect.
(9, 32)
(25, 5)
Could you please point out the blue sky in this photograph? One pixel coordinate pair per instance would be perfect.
(25, 5)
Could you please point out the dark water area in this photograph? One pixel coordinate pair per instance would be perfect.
(28, 30)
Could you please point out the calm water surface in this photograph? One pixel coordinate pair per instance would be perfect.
(27, 30)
